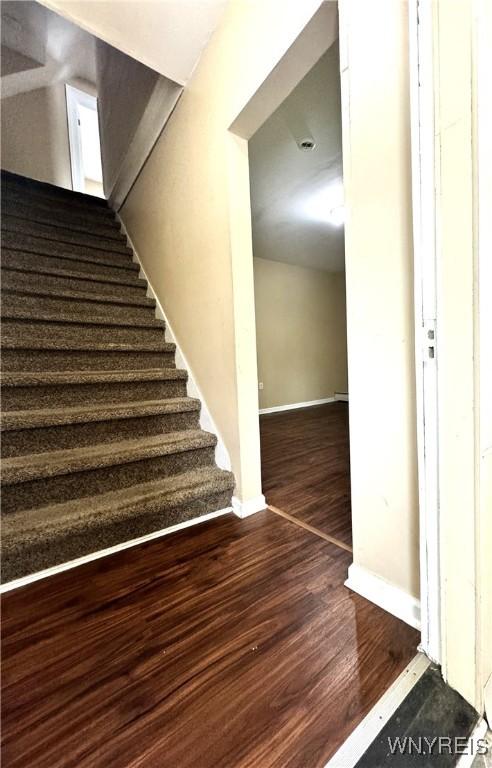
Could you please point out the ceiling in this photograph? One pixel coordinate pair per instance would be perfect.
(292, 191)
(40, 48)
(166, 35)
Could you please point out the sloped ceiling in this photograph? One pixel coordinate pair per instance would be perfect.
(290, 188)
(166, 35)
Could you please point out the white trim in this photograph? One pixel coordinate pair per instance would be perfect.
(426, 320)
(207, 423)
(479, 732)
(248, 507)
(74, 98)
(389, 597)
(293, 406)
(340, 396)
(16, 583)
(364, 734)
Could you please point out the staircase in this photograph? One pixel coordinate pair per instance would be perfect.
(100, 442)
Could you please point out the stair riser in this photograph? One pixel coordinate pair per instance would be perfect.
(30, 557)
(92, 224)
(16, 280)
(53, 490)
(63, 235)
(27, 305)
(41, 246)
(54, 197)
(36, 261)
(60, 360)
(27, 441)
(71, 395)
(25, 333)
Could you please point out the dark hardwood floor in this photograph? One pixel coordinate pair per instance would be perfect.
(306, 466)
(232, 644)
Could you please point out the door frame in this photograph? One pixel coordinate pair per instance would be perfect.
(422, 111)
(75, 98)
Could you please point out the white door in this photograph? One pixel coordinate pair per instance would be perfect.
(85, 149)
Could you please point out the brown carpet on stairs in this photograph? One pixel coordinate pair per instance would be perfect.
(100, 443)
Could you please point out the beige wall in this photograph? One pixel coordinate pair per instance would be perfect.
(379, 274)
(188, 216)
(463, 199)
(35, 135)
(300, 333)
(124, 87)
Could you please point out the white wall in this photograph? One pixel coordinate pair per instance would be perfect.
(34, 137)
(379, 274)
(290, 188)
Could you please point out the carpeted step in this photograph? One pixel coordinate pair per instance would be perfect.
(68, 237)
(43, 247)
(114, 423)
(19, 283)
(96, 358)
(48, 417)
(99, 440)
(26, 390)
(19, 334)
(55, 463)
(57, 533)
(74, 309)
(49, 191)
(52, 478)
(69, 274)
(76, 221)
(58, 207)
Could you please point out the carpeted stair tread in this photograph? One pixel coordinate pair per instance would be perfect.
(46, 417)
(11, 341)
(76, 515)
(101, 443)
(90, 224)
(79, 295)
(130, 280)
(41, 246)
(53, 463)
(64, 234)
(50, 191)
(65, 316)
(43, 378)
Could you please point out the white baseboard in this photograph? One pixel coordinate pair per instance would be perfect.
(248, 507)
(293, 406)
(349, 754)
(16, 583)
(222, 458)
(389, 597)
(340, 396)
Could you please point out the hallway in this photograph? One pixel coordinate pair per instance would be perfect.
(306, 466)
(233, 643)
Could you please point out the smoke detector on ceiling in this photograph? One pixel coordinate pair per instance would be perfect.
(306, 144)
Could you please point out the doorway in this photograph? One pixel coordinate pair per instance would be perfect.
(380, 290)
(85, 147)
(296, 179)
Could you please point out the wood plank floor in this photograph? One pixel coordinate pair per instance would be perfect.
(306, 466)
(233, 644)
